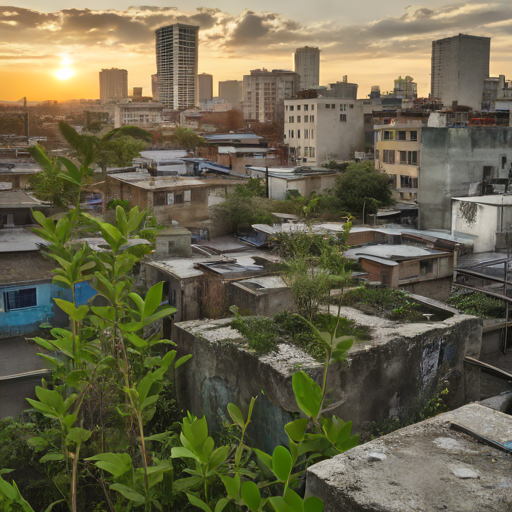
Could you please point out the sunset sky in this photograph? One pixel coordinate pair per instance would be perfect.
(51, 50)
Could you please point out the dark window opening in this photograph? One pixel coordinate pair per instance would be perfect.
(426, 267)
(18, 299)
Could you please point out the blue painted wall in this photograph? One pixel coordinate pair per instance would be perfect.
(27, 320)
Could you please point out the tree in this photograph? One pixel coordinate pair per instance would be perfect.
(119, 151)
(361, 187)
(48, 185)
(185, 138)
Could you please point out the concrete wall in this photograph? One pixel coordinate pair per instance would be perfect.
(383, 378)
(452, 159)
(437, 289)
(180, 245)
(279, 187)
(27, 320)
(264, 302)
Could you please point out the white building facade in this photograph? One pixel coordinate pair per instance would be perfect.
(138, 114)
(176, 63)
(318, 130)
(307, 65)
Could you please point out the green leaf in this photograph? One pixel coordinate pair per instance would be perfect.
(198, 503)
(282, 463)
(38, 443)
(74, 377)
(115, 463)
(232, 485)
(52, 456)
(49, 508)
(179, 452)
(78, 435)
(236, 415)
(184, 484)
(218, 457)
(296, 429)
(293, 500)
(279, 504)
(221, 504)
(313, 504)
(153, 299)
(128, 493)
(265, 458)
(308, 394)
(182, 360)
(76, 313)
(150, 400)
(7, 489)
(51, 398)
(251, 495)
(136, 340)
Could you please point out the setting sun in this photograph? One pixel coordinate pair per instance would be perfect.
(64, 73)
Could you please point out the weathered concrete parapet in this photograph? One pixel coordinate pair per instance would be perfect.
(426, 467)
(385, 377)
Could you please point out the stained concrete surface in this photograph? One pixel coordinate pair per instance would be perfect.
(426, 467)
(17, 355)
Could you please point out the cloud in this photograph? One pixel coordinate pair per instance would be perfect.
(252, 34)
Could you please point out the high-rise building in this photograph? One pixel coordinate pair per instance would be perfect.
(205, 87)
(137, 93)
(264, 92)
(307, 65)
(459, 66)
(405, 88)
(176, 64)
(154, 87)
(231, 91)
(113, 84)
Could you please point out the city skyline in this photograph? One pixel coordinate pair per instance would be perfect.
(57, 54)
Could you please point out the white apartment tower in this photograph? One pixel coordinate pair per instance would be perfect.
(113, 84)
(205, 87)
(176, 64)
(459, 66)
(264, 92)
(307, 65)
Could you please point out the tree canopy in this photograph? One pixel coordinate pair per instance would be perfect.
(185, 138)
(362, 187)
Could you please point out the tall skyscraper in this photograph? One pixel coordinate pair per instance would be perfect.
(307, 65)
(231, 91)
(264, 92)
(176, 64)
(205, 87)
(113, 84)
(154, 87)
(459, 66)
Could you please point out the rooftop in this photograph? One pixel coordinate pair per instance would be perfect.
(19, 240)
(17, 198)
(392, 252)
(164, 154)
(492, 200)
(425, 467)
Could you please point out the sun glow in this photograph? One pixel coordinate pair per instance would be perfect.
(64, 73)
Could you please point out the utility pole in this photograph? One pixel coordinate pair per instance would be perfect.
(25, 116)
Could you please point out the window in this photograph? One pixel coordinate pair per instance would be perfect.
(291, 108)
(306, 108)
(376, 154)
(312, 107)
(412, 157)
(286, 108)
(179, 198)
(298, 119)
(414, 135)
(327, 105)
(487, 172)
(306, 119)
(343, 107)
(306, 134)
(402, 135)
(312, 134)
(19, 299)
(290, 134)
(312, 152)
(503, 161)
(426, 267)
(298, 107)
(291, 119)
(387, 135)
(172, 298)
(343, 117)
(298, 134)
(403, 156)
(170, 198)
(187, 196)
(405, 182)
(391, 156)
(351, 105)
(392, 180)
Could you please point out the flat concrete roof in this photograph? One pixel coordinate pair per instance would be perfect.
(19, 240)
(164, 154)
(425, 467)
(17, 198)
(144, 180)
(493, 200)
(392, 252)
(173, 230)
(267, 282)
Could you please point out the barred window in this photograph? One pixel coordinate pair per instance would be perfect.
(18, 299)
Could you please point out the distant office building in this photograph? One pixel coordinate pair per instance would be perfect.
(405, 88)
(205, 87)
(137, 93)
(231, 91)
(154, 87)
(343, 90)
(138, 114)
(459, 66)
(264, 92)
(307, 65)
(176, 63)
(113, 84)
